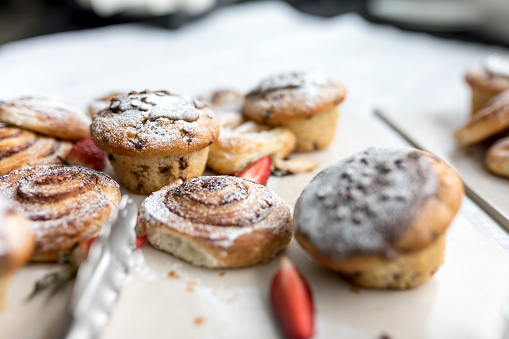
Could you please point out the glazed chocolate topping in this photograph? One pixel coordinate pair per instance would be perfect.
(363, 203)
(291, 80)
(157, 105)
(497, 65)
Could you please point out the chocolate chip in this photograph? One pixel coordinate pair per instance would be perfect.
(337, 101)
(364, 161)
(105, 137)
(145, 91)
(136, 144)
(110, 157)
(198, 104)
(115, 99)
(139, 187)
(162, 93)
(383, 168)
(135, 103)
(144, 108)
(414, 155)
(400, 164)
(164, 170)
(183, 164)
(211, 142)
(188, 139)
(316, 147)
(115, 105)
(133, 93)
(186, 129)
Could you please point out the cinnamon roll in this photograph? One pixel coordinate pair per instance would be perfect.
(379, 217)
(304, 102)
(217, 221)
(16, 243)
(49, 116)
(65, 204)
(20, 148)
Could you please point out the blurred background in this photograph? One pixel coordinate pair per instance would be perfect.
(485, 21)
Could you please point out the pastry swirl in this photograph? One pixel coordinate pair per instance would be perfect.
(217, 221)
(65, 204)
(46, 115)
(20, 148)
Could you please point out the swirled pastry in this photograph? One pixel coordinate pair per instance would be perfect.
(155, 138)
(490, 120)
(305, 103)
(379, 217)
(489, 80)
(217, 221)
(16, 243)
(65, 204)
(46, 115)
(20, 148)
(497, 157)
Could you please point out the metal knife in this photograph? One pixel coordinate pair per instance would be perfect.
(101, 276)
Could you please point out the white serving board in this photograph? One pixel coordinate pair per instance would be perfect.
(465, 299)
(433, 130)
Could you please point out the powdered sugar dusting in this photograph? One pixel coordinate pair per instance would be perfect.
(219, 208)
(363, 203)
(60, 201)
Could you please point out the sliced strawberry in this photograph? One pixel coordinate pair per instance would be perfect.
(140, 241)
(258, 171)
(85, 153)
(292, 301)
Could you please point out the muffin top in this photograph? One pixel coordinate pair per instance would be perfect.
(294, 95)
(493, 75)
(154, 124)
(364, 203)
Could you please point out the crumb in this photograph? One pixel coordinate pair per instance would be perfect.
(174, 274)
(221, 274)
(355, 289)
(199, 320)
(191, 285)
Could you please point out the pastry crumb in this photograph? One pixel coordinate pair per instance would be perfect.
(174, 274)
(199, 320)
(191, 286)
(355, 289)
(221, 274)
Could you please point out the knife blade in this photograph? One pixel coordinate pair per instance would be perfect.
(101, 276)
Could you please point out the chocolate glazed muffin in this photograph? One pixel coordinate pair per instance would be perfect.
(379, 217)
(155, 138)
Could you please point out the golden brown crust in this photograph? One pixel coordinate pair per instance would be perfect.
(426, 227)
(217, 222)
(480, 79)
(20, 148)
(49, 116)
(491, 119)
(65, 204)
(291, 96)
(243, 142)
(497, 157)
(149, 124)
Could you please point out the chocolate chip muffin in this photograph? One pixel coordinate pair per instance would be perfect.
(306, 103)
(379, 217)
(155, 138)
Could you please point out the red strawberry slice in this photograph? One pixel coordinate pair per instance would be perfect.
(258, 171)
(85, 153)
(292, 301)
(140, 241)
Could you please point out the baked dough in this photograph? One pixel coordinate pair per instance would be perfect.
(16, 243)
(379, 217)
(217, 221)
(65, 204)
(155, 138)
(46, 115)
(497, 157)
(490, 120)
(489, 80)
(306, 103)
(20, 148)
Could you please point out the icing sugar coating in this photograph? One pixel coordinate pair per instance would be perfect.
(291, 80)
(219, 208)
(497, 65)
(64, 204)
(154, 124)
(363, 203)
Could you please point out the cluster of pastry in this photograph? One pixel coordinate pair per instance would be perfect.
(490, 113)
(378, 217)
